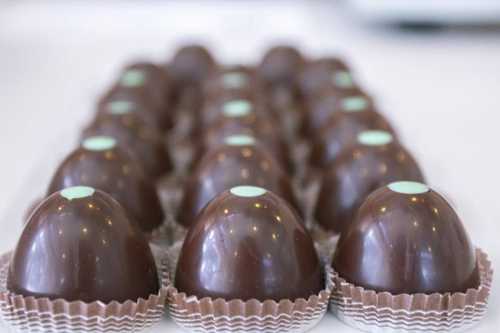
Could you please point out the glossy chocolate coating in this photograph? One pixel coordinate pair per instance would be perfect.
(137, 85)
(191, 65)
(323, 72)
(280, 66)
(231, 165)
(82, 249)
(132, 133)
(407, 243)
(252, 124)
(340, 132)
(356, 173)
(328, 102)
(116, 172)
(248, 247)
(231, 81)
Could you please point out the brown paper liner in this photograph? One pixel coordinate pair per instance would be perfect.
(372, 311)
(219, 315)
(44, 315)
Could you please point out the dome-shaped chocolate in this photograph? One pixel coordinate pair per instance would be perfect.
(121, 106)
(132, 133)
(191, 65)
(342, 128)
(407, 239)
(248, 243)
(240, 161)
(79, 245)
(324, 72)
(101, 164)
(376, 160)
(239, 118)
(280, 66)
(138, 87)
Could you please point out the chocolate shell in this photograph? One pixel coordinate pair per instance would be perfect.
(191, 65)
(341, 129)
(240, 161)
(376, 160)
(238, 118)
(131, 132)
(138, 87)
(248, 243)
(79, 245)
(280, 66)
(407, 238)
(102, 164)
(325, 72)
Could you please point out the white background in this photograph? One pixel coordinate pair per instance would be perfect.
(441, 89)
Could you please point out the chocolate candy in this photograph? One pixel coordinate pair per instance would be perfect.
(191, 65)
(342, 128)
(240, 161)
(248, 243)
(132, 133)
(79, 245)
(101, 164)
(324, 72)
(280, 66)
(375, 160)
(232, 81)
(238, 117)
(139, 88)
(407, 239)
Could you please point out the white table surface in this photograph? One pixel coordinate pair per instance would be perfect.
(441, 90)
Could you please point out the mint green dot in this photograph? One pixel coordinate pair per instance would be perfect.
(374, 138)
(239, 140)
(248, 191)
(77, 192)
(234, 80)
(354, 104)
(237, 108)
(99, 143)
(120, 107)
(133, 78)
(408, 187)
(343, 79)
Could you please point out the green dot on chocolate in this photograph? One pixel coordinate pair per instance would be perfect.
(354, 104)
(77, 192)
(237, 108)
(133, 78)
(99, 143)
(408, 187)
(343, 79)
(234, 80)
(248, 191)
(374, 138)
(239, 140)
(120, 107)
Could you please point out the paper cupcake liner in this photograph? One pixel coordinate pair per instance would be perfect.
(372, 311)
(31, 314)
(219, 315)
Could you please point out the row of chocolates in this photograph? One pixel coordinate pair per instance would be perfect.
(248, 261)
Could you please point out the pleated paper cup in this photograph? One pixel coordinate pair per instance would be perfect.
(32, 314)
(372, 311)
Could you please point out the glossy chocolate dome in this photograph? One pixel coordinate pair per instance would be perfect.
(79, 245)
(191, 65)
(101, 164)
(376, 160)
(341, 129)
(240, 161)
(248, 243)
(131, 132)
(317, 74)
(407, 238)
(280, 66)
